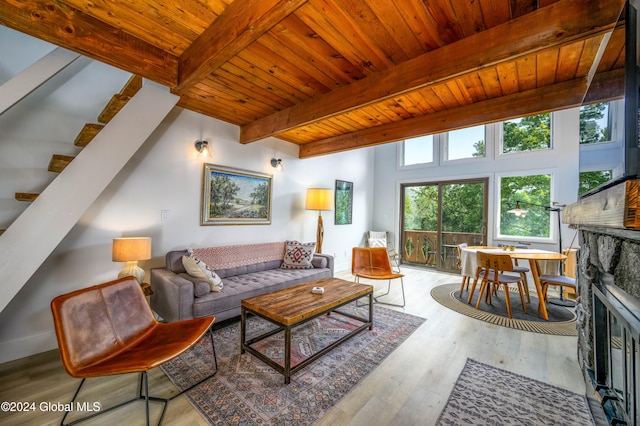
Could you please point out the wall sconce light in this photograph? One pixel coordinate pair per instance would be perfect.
(202, 147)
(276, 163)
(131, 250)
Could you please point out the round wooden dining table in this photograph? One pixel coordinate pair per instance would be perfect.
(469, 265)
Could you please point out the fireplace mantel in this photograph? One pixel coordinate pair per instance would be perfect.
(614, 207)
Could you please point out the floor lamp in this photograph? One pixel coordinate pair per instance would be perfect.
(320, 199)
(518, 211)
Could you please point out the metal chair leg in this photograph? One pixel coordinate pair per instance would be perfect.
(142, 394)
(388, 289)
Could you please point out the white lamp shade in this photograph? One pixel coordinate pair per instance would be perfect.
(319, 199)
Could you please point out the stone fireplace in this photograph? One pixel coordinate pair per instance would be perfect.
(609, 319)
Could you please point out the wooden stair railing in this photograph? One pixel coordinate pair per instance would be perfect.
(91, 130)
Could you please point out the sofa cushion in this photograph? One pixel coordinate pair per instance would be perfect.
(243, 286)
(198, 269)
(298, 255)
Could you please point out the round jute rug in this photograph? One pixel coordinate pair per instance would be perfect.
(561, 320)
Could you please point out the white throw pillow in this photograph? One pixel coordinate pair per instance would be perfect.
(378, 242)
(198, 269)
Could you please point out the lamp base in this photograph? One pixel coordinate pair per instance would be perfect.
(132, 270)
(319, 234)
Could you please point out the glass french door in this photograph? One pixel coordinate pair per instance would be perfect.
(437, 216)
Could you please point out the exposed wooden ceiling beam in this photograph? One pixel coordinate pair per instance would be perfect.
(60, 24)
(238, 26)
(606, 86)
(557, 24)
(558, 96)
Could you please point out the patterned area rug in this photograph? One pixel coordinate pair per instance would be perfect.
(562, 321)
(248, 392)
(485, 395)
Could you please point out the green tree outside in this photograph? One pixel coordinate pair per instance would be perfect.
(527, 134)
(590, 130)
(532, 192)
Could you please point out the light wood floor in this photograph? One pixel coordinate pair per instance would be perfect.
(410, 387)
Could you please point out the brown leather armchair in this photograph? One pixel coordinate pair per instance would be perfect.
(373, 263)
(110, 329)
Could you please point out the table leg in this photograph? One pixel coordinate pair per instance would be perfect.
(287, 355)
(371, 310)
(542, 307)
(243, 329)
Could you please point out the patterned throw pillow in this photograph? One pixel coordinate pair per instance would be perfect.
(198, 269)
(298, 255)
(378, 242)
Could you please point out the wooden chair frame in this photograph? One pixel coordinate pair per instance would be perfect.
(492, 279)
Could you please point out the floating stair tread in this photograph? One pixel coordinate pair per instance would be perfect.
(133, 85)
(26, 196)
(59, 162)
(116, 103)
(88, 132)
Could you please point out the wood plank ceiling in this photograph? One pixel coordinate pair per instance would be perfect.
(334, 75)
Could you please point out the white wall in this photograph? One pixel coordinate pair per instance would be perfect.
(163, 175)
(562, 161)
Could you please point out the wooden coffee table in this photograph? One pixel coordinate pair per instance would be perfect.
(296, 305)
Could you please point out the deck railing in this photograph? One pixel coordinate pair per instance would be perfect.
(423, 248)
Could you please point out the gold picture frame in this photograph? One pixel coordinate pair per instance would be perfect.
(235, 197)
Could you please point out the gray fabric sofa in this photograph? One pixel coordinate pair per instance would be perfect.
(179, 296)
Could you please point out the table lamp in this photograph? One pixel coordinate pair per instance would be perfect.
(319, 199)
(131, 250)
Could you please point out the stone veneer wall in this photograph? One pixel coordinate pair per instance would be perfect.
(603, 251)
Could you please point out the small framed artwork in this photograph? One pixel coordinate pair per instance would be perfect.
(235, 197)
(343, 202)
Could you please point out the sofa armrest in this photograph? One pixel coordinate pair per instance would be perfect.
(329, 259)
(173, 296)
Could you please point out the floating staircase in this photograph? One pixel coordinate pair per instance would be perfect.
(31, 238)
(90, 130)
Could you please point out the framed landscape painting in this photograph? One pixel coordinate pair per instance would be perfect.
(343, 202)
(235, 197)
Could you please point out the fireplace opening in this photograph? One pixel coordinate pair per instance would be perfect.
(616, 337)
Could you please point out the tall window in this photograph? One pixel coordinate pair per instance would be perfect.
(466, 143)
(418, 150)
(595, 123)
(527, 134)
(533, 192)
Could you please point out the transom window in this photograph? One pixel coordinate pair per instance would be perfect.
(466, 143)
(418, 150)
(595, 123)
(530, 133)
